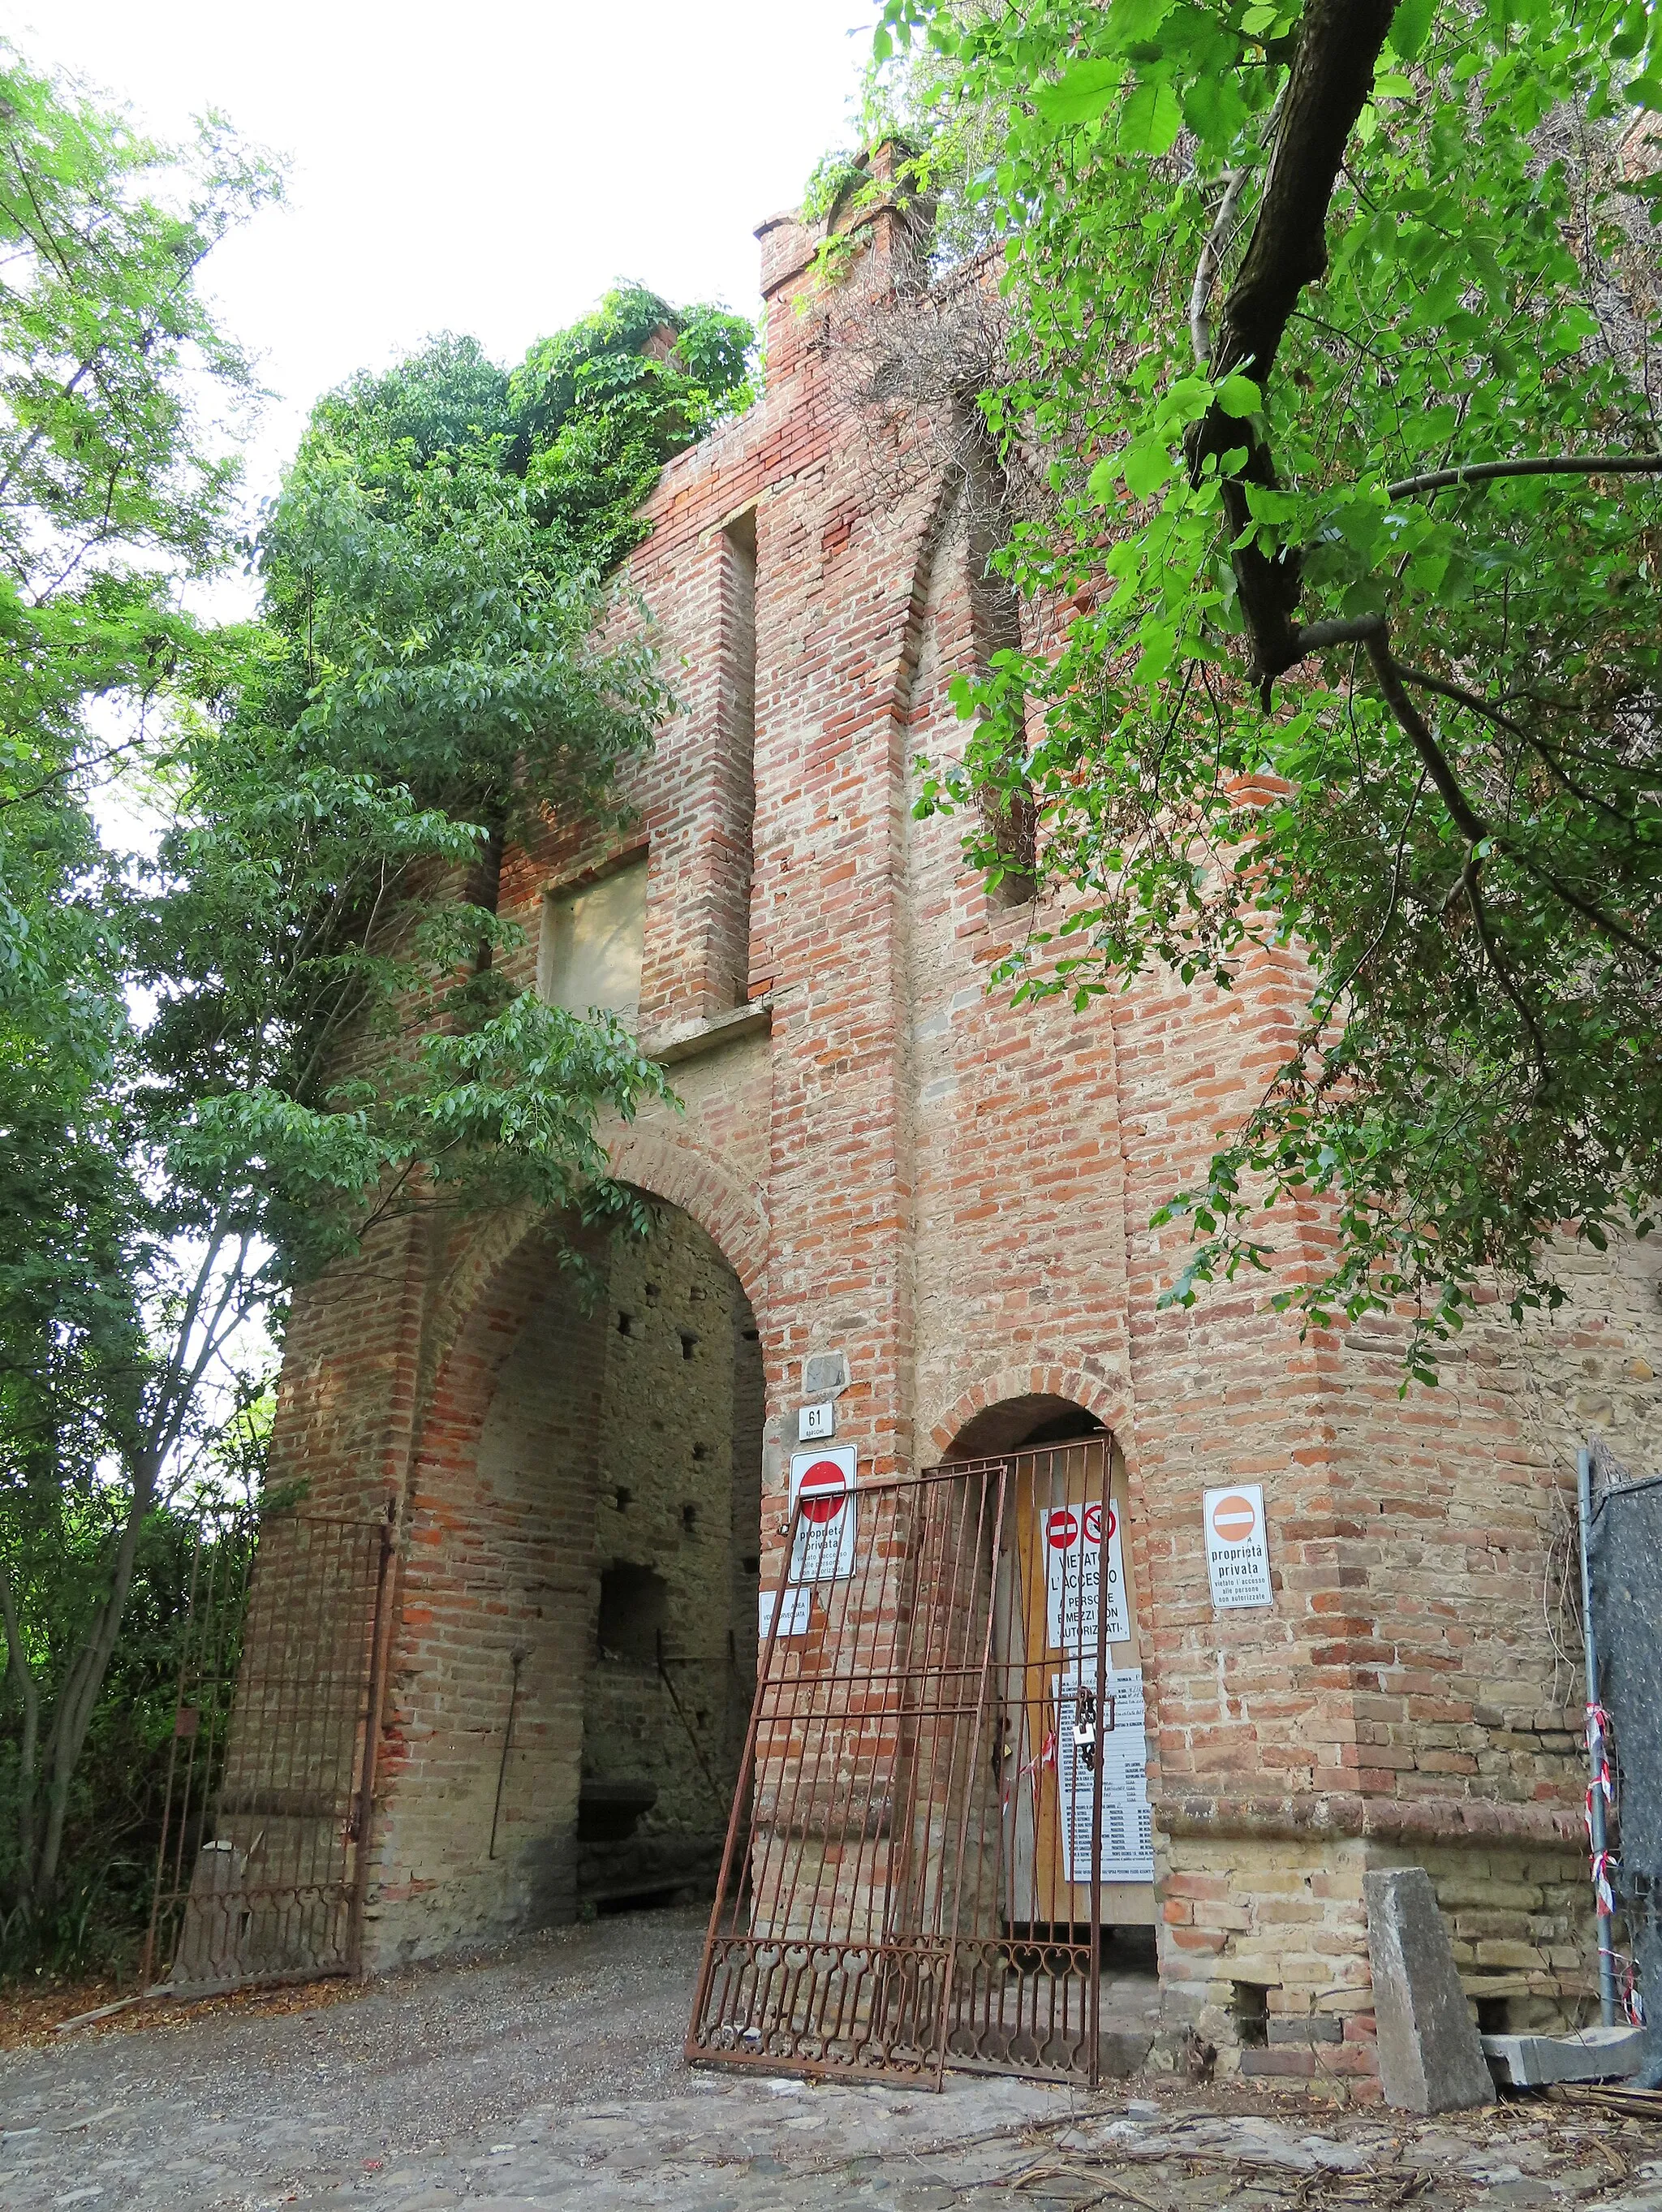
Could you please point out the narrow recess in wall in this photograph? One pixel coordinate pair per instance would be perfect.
(634, 1602)
(736, 765)
(1250, 2006)
(996, 622)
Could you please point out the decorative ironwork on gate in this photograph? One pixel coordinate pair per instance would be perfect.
(915, 1863)
(264, 1861)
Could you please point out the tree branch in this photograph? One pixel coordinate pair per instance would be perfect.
(1394, 678)
(1206, 269)
(1331, 75)
(1552, 465)
(1415, 727)
(1491, 713)
(1502, 973)
(28, 1691)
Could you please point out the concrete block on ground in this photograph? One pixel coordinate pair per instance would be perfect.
(1593, 2054)
(1431, 2058)
(1123, 2053)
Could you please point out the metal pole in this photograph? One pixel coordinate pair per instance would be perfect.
(1596, 1756)
(380, 1639)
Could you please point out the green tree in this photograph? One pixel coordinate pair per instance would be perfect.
(112, 494)
(221, 1063)
(1336, 326)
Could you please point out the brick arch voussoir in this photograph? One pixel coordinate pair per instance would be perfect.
(504, 1273)
(732, 1213)
(1057, 1380)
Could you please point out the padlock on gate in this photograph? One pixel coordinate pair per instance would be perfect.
(1084, 1730)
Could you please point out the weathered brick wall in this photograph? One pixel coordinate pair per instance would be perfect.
(512, 1522)
(956, 1194)
(671, 1437)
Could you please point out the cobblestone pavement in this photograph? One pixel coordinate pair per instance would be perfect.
(552, 2079)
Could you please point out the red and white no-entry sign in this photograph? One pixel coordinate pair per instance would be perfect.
(1237, 1546)
(1234, 1518)
(1077, 1566)
(822, 1487)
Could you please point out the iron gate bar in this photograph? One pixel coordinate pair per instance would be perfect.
(263, 1860)
(882, 1878)
(380, 1653)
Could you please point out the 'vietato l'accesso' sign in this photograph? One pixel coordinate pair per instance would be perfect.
(1074, 1572)
(1237, 1546)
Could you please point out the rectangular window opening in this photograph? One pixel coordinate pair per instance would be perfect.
(594, 938)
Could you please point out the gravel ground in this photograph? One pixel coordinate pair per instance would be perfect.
(551, 2080)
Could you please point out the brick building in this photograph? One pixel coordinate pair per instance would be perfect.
(880, 1167)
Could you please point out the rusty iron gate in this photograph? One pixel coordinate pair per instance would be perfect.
(264, 1861)
(914, 1868)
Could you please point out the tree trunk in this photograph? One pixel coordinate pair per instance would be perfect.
(28, 1754)
(73, 1709)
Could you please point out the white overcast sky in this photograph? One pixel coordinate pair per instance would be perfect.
(489, 168)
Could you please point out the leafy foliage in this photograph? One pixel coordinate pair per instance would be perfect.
(224, 1060)
(598, 410)
(1305, 698)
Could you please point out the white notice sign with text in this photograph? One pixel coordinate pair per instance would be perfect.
(795, 1611)
(1237, 1546)
(1070, 1537)
(1121, 1743)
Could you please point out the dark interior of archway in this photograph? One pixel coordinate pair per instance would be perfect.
(1020, 1424)
(677, 1490)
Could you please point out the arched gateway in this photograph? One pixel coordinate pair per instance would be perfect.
(944, 1814)
(576, 1641)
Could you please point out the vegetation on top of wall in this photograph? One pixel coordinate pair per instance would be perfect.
(598, 410)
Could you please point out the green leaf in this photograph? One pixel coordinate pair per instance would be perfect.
(1103, 481)
(1238, 395)
(1086, 92)
(1187, 402)
(1134, 23)
(1215, 111)
(1146, 466)
(1150, 119)
(1410, 27)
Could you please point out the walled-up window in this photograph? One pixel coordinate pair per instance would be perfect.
(593, 939)
(735, 762)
